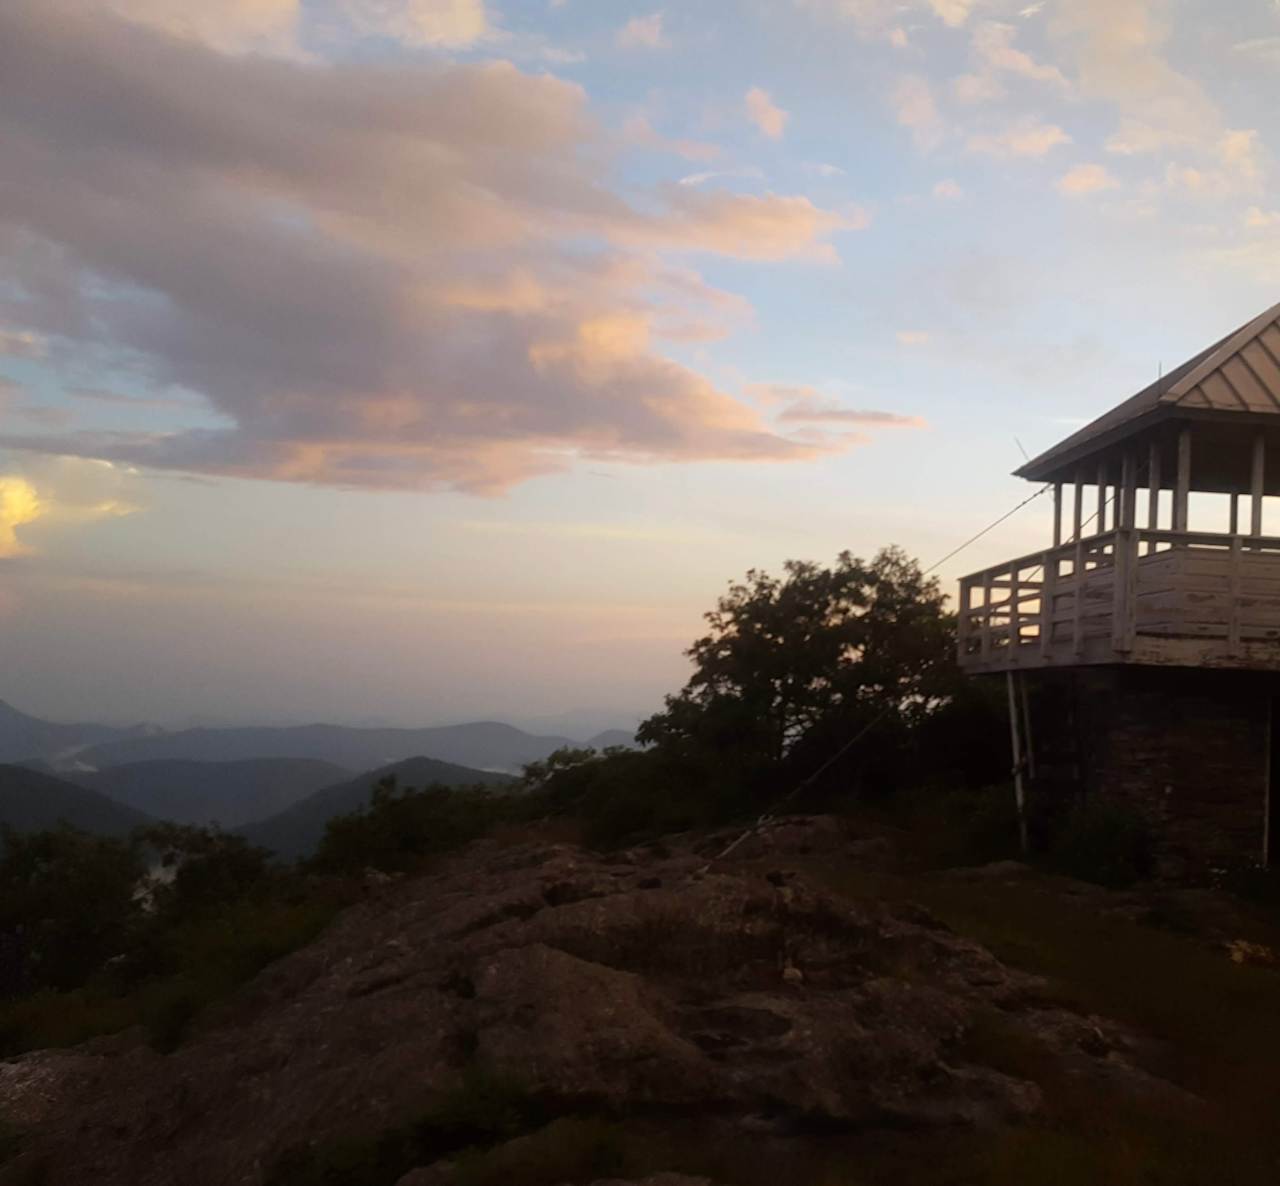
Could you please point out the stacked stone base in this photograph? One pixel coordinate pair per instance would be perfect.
(1188, 748)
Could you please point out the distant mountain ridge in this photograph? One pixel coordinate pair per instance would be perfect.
(31, 801)
(612, 737)
(482, 745)
(25, 738)
(297, 830)
(226, 793)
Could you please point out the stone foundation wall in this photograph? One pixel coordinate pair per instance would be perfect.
(1188, 748)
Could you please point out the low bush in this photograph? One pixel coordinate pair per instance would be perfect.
(1102, 841)
(401, 827)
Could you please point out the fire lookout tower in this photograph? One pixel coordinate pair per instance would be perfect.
(1142, 648)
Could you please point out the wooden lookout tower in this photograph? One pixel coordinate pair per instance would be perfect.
(1142, 647)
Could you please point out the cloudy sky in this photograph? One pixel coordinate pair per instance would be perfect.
(414, 360)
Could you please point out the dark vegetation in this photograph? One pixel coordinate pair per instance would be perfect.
(790, 671)
(295, 832)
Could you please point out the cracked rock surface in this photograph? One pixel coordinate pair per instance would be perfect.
(636, 984)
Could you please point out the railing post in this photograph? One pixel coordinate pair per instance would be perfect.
(1128, 493)
(1047, 595)
(1182, 491)
(1153, 490)
(1233, 584)
(1122, 572)
(1077, 638)
(1257, 483)
(985, 642)
(1101, 520)
(1131, 589)
(1015, 621)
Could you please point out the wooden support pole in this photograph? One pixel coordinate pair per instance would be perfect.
(1101, 521)
(1077, 515)
(985, 642)
(1019, 796)
(1048, 595)
(962, 622)
(1122, 591)
(1234, 526)
(1182, 492)
(1153, 488)
(1057, 513)
(1233, 593)
(1128, 491)
(1015, 621)
(1077, 607)
(1028, 739)
(1257, 479)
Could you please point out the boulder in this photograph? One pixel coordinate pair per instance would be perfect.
(616, 986)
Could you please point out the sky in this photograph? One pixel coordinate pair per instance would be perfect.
(414, 361)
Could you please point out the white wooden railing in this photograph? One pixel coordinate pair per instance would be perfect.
(1110, 589)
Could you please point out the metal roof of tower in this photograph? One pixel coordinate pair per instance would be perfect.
(1236, 376)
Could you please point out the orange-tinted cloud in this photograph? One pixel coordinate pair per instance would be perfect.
(412, 275)
(19, 504)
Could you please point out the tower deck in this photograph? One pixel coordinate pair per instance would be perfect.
(1128, 596)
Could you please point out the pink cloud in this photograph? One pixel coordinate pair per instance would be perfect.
(412, 275)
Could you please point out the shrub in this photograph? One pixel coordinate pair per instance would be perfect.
(208, 869)
(1102, 841)
(401, 827)
(67, 904)
(626, 796)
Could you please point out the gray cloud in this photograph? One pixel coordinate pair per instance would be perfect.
(400, 276)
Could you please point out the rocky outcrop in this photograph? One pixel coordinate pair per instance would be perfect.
(642, 984)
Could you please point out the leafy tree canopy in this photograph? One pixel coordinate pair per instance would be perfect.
(786, 656)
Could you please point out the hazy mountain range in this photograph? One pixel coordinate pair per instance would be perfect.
(485, 745)
(31, 801)
(276, 785)
(295, 831)
(24, 738)
(226, 793)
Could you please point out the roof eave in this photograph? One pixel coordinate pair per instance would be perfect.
(1044, 467)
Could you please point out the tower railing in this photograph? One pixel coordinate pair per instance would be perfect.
(1126, 595)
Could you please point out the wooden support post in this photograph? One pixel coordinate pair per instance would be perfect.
(1077, 610)
(1077, 516)
(1233, 587)
(1121, 596)
(1131, 589)
(1234, 526)
(962, 622)
(1028, 739)
(1015, 622)
(1057, 513)
(1257, 479)
(1128, 491)
(985, 643)
(1048, 593)
(1019, 796)
(1182, 492)
(1101, 520)
(1153, 491)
